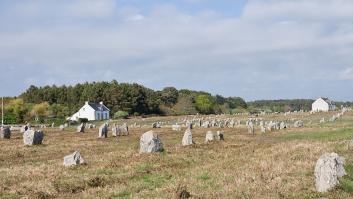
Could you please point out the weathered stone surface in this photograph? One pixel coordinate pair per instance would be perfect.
(115, 130)
(124, 129)
(327, 171)
(5, 133)
(251, 128)
(150, 142)
(73, 159)
(81, 128)
(220, 136)
(187, 138)
(103, 131)
(298, 124)
(24, 128)
(31, 137)
(209, 136)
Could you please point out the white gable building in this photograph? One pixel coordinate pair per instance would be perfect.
(92, 112)
(323, 104)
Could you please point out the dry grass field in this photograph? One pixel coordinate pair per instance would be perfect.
(274, 165)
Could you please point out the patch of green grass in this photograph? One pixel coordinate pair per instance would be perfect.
(346, 183)
(204, 177)
(152, 181)
(9, 196)
(319, 136)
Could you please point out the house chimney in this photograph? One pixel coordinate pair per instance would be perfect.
(86, 103)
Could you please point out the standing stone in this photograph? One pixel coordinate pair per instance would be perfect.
(5, 133)
(81, 128)
(187, 138)
(251, 128)
(103, 131)
(327, 171)
(115, 130)
(263, 129)
(220, 136)
(24, 128)
(31, 137)
(124, 129)
(209, 136)
(150, 142)
(73, 159)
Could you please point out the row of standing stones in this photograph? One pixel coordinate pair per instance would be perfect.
(329, 168)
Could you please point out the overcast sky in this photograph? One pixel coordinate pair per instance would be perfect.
(255, 49)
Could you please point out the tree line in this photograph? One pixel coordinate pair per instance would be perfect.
(49, 103)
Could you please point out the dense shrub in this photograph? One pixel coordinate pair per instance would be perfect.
(121, 115)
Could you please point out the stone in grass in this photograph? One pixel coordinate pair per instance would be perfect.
(327, 171)
(220, 136)
(187, 138)
(31, 137)
(103, 131)
(81, 128)
(209, 136)
(73, 159)
(150, 142)
(5, 133)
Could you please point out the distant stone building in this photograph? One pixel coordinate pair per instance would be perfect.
(323, 104)
(92, 111)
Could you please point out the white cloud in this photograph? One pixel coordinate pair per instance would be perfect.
(276, 49)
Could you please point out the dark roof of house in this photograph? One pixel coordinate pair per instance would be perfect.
(98, 107)
(327, 100)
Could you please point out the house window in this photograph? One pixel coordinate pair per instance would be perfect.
(98, 116)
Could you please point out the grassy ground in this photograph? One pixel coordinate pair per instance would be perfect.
(274, 165)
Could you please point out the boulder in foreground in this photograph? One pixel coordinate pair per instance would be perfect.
(327, 171)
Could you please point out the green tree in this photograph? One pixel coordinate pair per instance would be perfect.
(19, 108)
(40, 111)
(205, 104)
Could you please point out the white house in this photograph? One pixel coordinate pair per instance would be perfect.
(323, 104)
(92, 111)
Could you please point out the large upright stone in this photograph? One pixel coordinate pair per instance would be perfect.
(220, 136)
(187, 138)
(150, 142)
(124, 129)
(81, 128)
(5, 133)
(209, 136)
(31, 137)
(115, 130)
(103, 131)
(251, 128)
(327, 171)
(73, 159)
